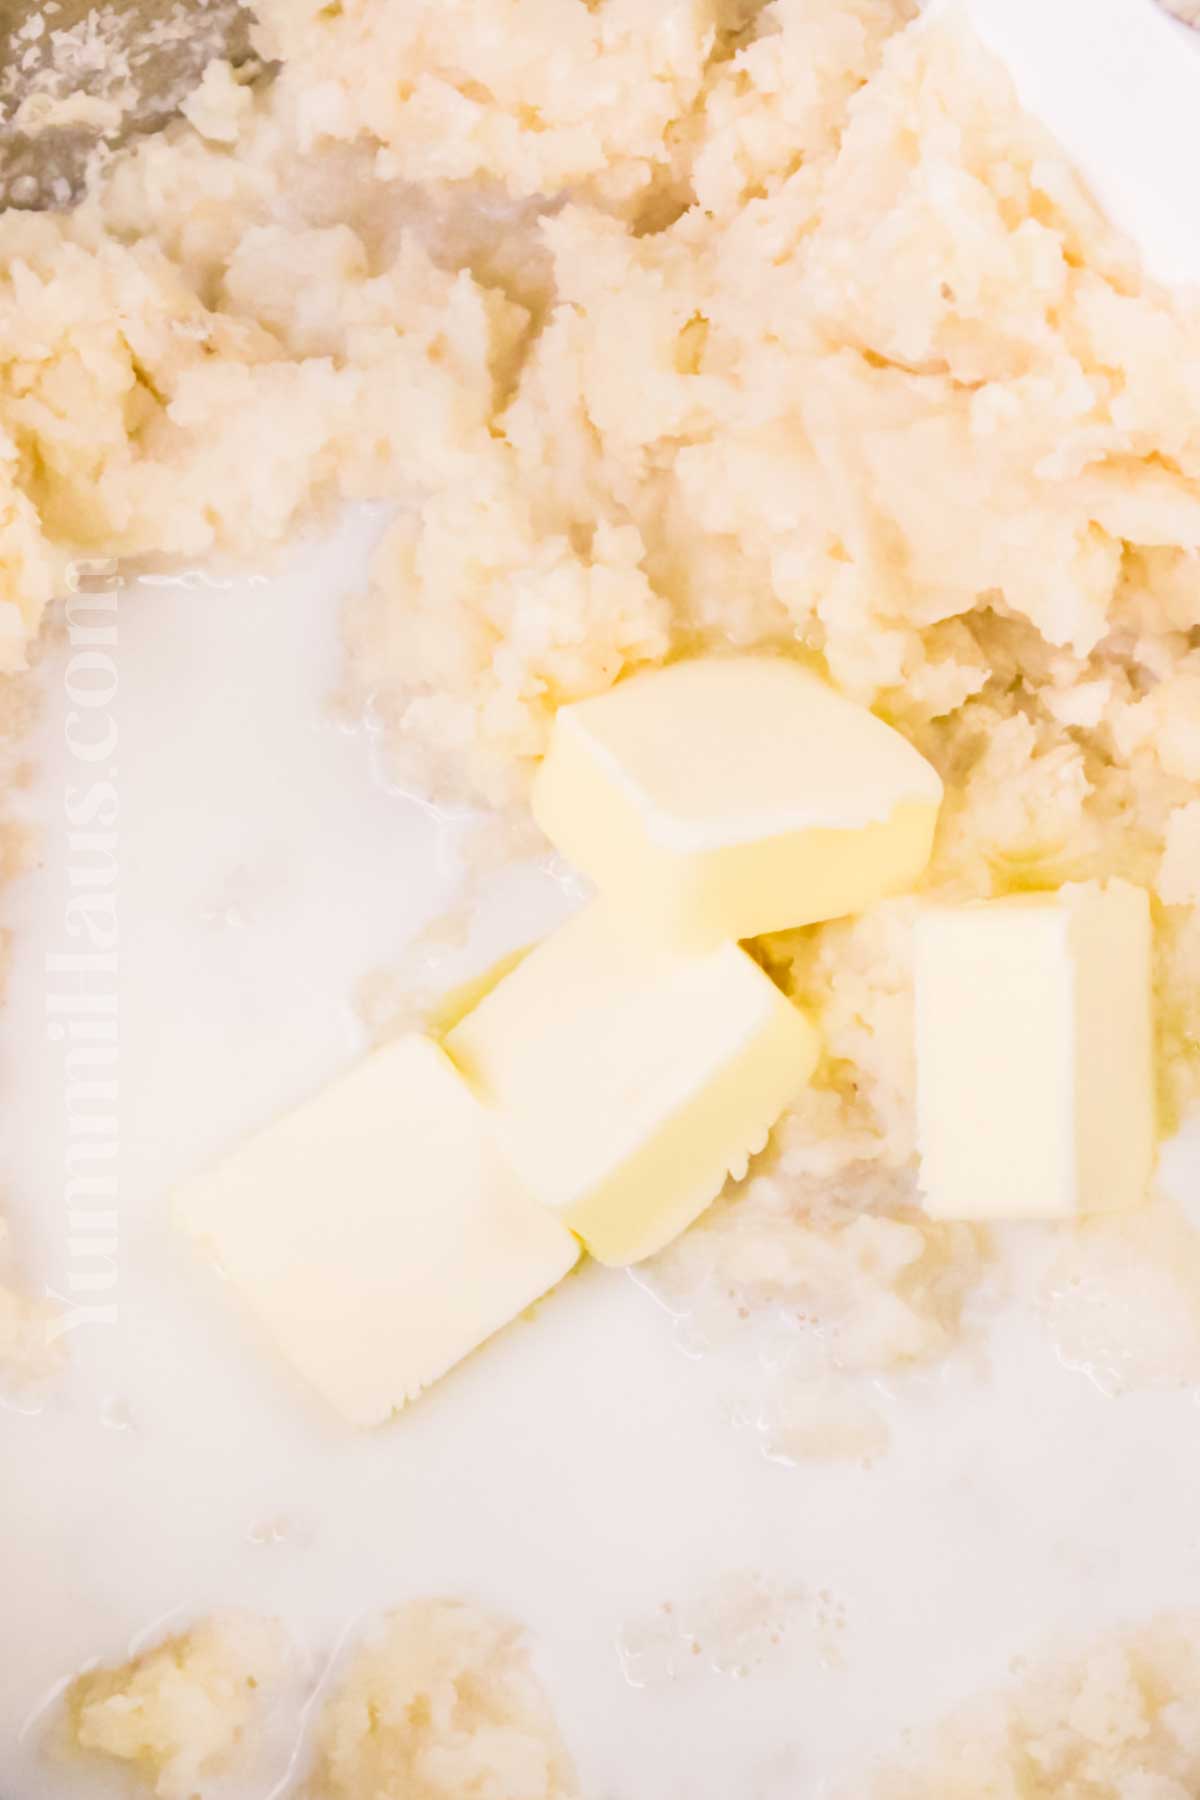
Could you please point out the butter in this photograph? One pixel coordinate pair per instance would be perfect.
(628, 1080)
(1035, 1076)
(376, 1233)
(456, 1001)
(731, 796)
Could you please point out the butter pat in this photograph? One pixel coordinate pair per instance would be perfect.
(455, 1002)
(727, 797)
(376, 1233)
(628, 1080)
(1035, 1074)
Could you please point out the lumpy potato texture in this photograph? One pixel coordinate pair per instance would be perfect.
(720, 323)
(183, 1714)
(733, 323)
(1119, 1721)
(440, 1703)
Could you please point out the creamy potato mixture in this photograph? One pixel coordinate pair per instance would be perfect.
(706, 323)
(439, 1703)
(186, 1707)
(442, 1703)
(1123, 1719)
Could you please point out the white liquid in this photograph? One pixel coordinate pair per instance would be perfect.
(578, 1473)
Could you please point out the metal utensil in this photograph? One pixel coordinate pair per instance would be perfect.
(77, 76)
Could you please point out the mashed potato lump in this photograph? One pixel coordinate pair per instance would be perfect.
(438, 1702)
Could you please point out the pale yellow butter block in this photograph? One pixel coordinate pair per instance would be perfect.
(1035, 1069)
(730, 796)
(628, 1079)
(376, 1232)
(455, 1002)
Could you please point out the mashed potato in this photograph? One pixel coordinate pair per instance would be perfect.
(838, 1293)
(720, 322)
(186, 1710)
(709, 322)
(440, 1704)
(1121, 1722)
(539, 97)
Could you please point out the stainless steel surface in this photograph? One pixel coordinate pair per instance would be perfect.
(76, 76)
